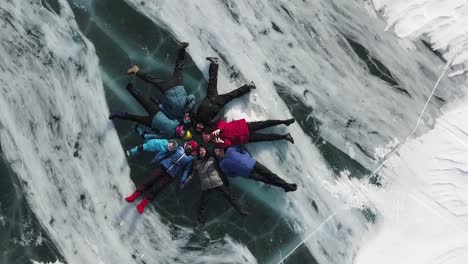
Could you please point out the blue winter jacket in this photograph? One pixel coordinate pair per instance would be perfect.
(176, 163)
(153, 145)
(165, 126)
(237, 162)
(179, 103)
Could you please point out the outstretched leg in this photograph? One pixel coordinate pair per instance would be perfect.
(254, 126)
(223, 99)
(226, 193)
(143, 120)
(178, 74)
(259, 137)
(161, 182)
(149, 107)
(212, 89)
(263, 174)
(201, 218)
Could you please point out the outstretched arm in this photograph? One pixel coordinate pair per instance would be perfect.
(187, 169)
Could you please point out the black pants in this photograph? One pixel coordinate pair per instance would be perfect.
(258, 137)
(150, 107)
(214, 102)
(263, 174)
(177, 76)
(223, 191)
(155, 184)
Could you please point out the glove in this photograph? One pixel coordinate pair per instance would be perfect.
(128, 153)
(216, 132)
(218, 141)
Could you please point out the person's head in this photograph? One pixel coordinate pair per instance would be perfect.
(190, 101)
(182, 133)
(187, 119)
(219, 152)
(191, 147)
(207, 137)
(200, 127)
(171, 145)
(202, 152)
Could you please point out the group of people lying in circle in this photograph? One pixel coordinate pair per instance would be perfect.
(175, 116)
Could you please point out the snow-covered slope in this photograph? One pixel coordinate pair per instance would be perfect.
(423, 205)
(442, 22)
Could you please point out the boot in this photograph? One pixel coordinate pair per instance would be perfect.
(289, 138)
(252, 85)
(289, 121)
(184, 45)
(291, 187)
(213, 60)
(117, 115)
(141, 206)
(131, 198)
(133, 70)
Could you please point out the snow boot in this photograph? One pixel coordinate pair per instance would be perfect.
(133, 70)
(291, 187)
(289, 138)
(289, 121)
(141, 206)
(131, 198)
(213, 60)
(252, 85)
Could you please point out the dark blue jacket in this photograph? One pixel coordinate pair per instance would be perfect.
(237, 162)
(176, 163)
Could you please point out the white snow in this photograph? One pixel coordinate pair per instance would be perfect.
(56, 262)
(423, 207)
(444, 23)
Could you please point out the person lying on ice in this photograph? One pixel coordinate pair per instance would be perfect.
(173, 164)
(237, 162)
(156, 119)
(240, 132)
(177, 103)
(211, 182)
(155, 145)
(207, 112)
(147, 135)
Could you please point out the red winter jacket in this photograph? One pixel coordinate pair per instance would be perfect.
(233, 133)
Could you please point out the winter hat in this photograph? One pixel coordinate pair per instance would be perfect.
(194, 146)
(190, 101)
(188, 135)
(179, 130)
(174, 142)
